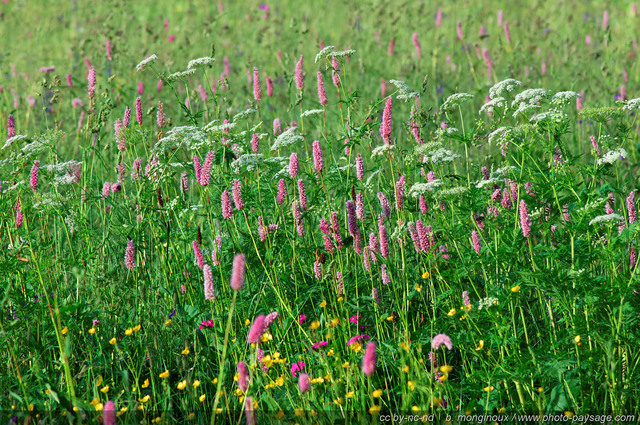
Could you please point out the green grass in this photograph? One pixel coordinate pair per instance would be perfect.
(551, 326)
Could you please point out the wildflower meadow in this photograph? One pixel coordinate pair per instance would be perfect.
(319, 212)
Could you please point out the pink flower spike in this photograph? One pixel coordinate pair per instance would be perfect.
(318, 161)
(282, 191)
(257, 329)
(392, 43)
(336, 71)
(441, 339)
(369, 359)
(439, 17)
(139, 111)
(198, 254)
(209, 291)
(227, 208)
(109, 413)
(257, 90)
(130, 255)
(525, 223)
(459, 30)
(322, 92)
(297, 367)
(298, 76)
(476, 241)
(237, 195)
(238, 273)
(33, 179)
(243, 376)
(385, 126)
(248, 411)
(269, 87)
(507, 32)
(416, 44)
(293, 165)
(303, 383)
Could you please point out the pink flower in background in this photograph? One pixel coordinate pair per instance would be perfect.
(392, 43)
(237, 194)
(33, 178)
(198, 254)
(11, 126)
(507, 32)
(282, 191)
(441, 339)
(416, 43)
(385, 125)
(297, 367)
(171, 38)
(91, 79)
(301, 319)
(335, 73)
(476, 241)
(293, 165)
(354, 319)
(317, 345)
(439, 17)
(318, 161)
(109, 413)
(459, 30)
(238, 272)
(206, 324)
(322, 92)
(369, 359)
(299, 76)
(525, 223)
(69, 82)
(139, 111)
(357, 338)
(243, 376)
(257, 90)
(269, 87)
(257, 329)
(227, 208)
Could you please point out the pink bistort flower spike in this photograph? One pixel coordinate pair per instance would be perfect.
(227, 208)
(237, 195)
(269, 87)
(127, 117)
(140, 88)
(369, 359)
(198, 254)
(476, 241)
(302, 194)
(351, 219)
(416, 44)
(209, 291)
(400, 186)
(318, 160)
(525, 223)
(359, 167)
(205, 172)
(293, 165)
(33, 178)
(335, 73)
(439, 17)
(238, 273)
(459, 30)
(384, 241)
(243, 376)
(631, 208)
(130, 255)
(299, 76)
(139, 111)
(256, 330)
(360, 206)
(277, 127)
(392, 43)
(322, 92)
(69, 81)
(19, 215)
(255, 142)
(271, 317)
(605, 20)
(386, 206)
(257, 90)
(441, 339)
(119, 132)
(424, 208)
(385, 125)
(262, 233)
(282, 191)
(160, 116)
(249, 414)
(91, 79)
(507, 32)
(11, 126)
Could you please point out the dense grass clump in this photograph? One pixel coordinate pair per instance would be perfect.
(321, 213)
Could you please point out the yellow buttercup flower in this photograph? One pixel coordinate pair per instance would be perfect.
(515, 289)
(374, 409)
(446, 369)
(92, 331)
(451, 312)
(411, 385)
(137, 328)
(480, 345)
(145, 399)
(128, 331)
(202, 397)
(415, 409)
(418, 288)
(340, 299)
(280, 414)
(247, 322)
(350, 394)
(338, 401)
(335, 322)
(323, 304)
(377, 393)
(104, 389)
(182, 384)
(145, 384)
(280, 380)
(577, 339)
(425, 275)
(165, 374)
(99, 407)
(99, 381)
(185, 351)
(196, 383)
(488, 388)
(112, 341)
(315, 325)
(65, 330)
(167, 323)
(405, 369)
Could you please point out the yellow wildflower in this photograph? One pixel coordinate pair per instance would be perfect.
(145, 384)
(137, 328)
(92, 331)
(185, 351)
(104, 389)
(425, 275)
(279, 414)
(196, 383)
(323, 304)
(182, 384)
(315, 325)
(480, 345)
(445, 369)
(405, 369)
(515, 289)
(167, 323)
(99, 407)
(350, 394)
(202, 397)
(488, 388)
(577, 339)
(164, 374)
(99, 381)
(335, 322)
(411, 385)
(65, 330)
(375, 409)
(299, 411)
(145, 399)
(112, 341)
(451, 312)
(128, 331)
(247, 322)
(377, 393)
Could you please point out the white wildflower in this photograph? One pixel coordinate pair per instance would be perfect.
(487, 302)
(530, 96)
(70, 221)
(188, 136)
(498, 102)
(343, 53)
(507, 85)
(427, 147)
(324, 53)
(421, 188)
(63, 166)
(182, 74)
(453, 191)
(244, 114)
(490, 182)
(456, 100)
(606, 218)
(381, 150)
(246, 162)
(309, 112)
(369, 183)
(563, 97)
(632, 105)
(286, 138)
(219, 128)
(146, 62)
(63, 180)
(549, 117)
(524, 108)
(204, 61)
(612, 156)
(13, 187)
(10, 141)
(441, 155)
(406, 93)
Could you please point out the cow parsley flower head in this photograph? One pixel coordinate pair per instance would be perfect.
(564, 97)
(440, 155)
(498, 102)
(200, 62)
(286, 138)
(606, 218)
(324, 53)
(612, 156)
(343, 53)
(145, 62)
(310, 112)
(421, 188)
(405, 92)
(182, 74)
(530, 96)
(456, 100)
(381, 150)
(503, 86)
(524, 109)
(632, 105)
